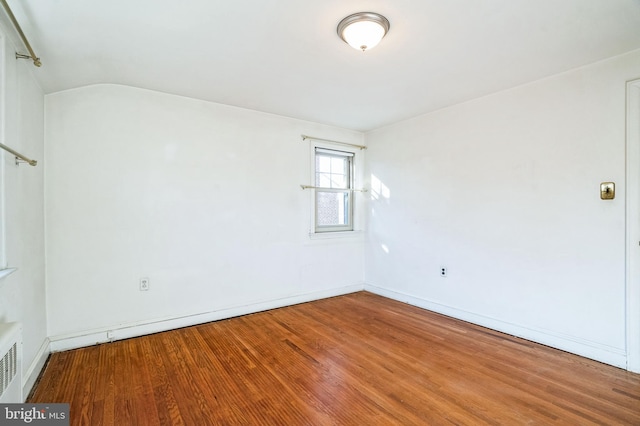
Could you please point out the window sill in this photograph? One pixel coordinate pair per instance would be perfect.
(339, 235)
(6, 272)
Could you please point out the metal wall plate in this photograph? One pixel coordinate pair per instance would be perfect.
(607, 190)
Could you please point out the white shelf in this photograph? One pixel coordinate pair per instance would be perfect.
(7, 272)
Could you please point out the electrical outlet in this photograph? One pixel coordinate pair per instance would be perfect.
(144, 284)
(443, 271)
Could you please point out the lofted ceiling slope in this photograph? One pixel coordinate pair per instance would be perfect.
(284, 56)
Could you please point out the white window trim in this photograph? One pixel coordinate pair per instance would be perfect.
(357, 161)
(319, 236)
(348, 157)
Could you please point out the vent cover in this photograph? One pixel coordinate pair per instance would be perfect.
(10, 363)
(8, 368)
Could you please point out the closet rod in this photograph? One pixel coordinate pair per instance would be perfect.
(18, 155)
(33, 56)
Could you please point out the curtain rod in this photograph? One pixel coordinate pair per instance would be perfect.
(33, 56)
(337, 189)
(305, 137)
(18, 155)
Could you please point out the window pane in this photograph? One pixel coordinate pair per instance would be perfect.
(323, 180)
(323, 164)
(338, 181)
(332, 208)
(338, 165)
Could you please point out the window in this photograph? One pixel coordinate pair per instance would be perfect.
(333, 204)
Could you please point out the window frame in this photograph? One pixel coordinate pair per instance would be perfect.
(352, 154)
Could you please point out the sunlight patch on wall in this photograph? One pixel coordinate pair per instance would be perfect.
(378, 189)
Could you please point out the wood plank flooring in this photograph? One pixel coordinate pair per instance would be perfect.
(358, 359)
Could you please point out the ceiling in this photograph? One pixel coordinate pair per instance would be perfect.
(284, 56)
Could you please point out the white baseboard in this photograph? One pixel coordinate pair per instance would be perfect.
(125, 331)
(38, 363)
(578, 346)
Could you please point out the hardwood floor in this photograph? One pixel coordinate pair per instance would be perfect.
(358, 359)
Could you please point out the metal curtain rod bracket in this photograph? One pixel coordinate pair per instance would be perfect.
(30, 162)
(32, 55)
(36, 61)
(305, 137)
(338, 189)
(19, 157)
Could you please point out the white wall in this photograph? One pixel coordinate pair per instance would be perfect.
(22, 294)
(202, 198)
(504, 192)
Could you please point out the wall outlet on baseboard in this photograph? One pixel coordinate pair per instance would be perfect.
(443, 271)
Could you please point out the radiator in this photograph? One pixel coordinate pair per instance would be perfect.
(10, 363)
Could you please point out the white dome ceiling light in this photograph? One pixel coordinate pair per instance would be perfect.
(363, 30)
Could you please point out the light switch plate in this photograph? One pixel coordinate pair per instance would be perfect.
(607, 190)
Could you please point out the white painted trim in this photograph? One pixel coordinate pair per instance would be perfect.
(33, 372)
(585, 348)
(347, 237)
(633, 227)
(125, 331)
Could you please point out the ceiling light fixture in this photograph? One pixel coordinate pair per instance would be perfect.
(363, 30)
